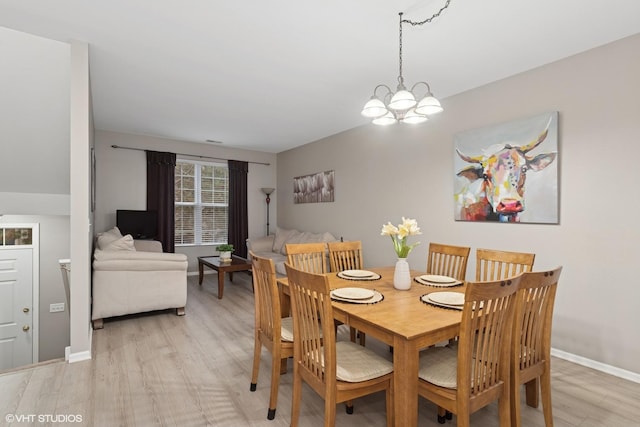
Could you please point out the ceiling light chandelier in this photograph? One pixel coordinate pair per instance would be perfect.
(402, 106)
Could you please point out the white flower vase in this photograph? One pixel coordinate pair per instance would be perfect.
(225, 256)
(402, 275)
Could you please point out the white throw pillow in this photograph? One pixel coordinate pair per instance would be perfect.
(124, 243)
(294, 236)
(108, 237)
(282, 236)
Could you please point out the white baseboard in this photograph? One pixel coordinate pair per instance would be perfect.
(599, 366)
(80, 356)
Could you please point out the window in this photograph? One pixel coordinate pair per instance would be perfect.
(201, 203)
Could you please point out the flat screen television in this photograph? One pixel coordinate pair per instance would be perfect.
(140, 224)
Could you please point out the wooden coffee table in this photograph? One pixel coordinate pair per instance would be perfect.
(236, 264)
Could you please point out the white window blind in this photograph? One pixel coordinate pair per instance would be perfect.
(201, 203)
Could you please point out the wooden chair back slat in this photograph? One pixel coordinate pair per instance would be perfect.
(309, 257)
(448, 260)
(494, 265)
(345, 256)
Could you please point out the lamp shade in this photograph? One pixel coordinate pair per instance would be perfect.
(402, 100)
(414, 118)
(387, 119)
(429, 105)
(267, 191)
(374, 108)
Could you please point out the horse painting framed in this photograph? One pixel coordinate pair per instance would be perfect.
(508, 172)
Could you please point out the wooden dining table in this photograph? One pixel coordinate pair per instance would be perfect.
(400, 320)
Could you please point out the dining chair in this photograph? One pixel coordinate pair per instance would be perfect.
(464, 379)
(493, 265)
(531, 342)
(337, 371)
(309, 257)
(347, 256)
(271, 331)
(448, 260)
(312, 258)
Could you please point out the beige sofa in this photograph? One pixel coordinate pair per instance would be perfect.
(273, 245)
(135, 276)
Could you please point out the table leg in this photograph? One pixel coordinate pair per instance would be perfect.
(405, 383)
(220, 283)
(200, 272)
(231, 276)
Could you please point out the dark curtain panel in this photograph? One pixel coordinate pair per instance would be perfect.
(161, 195)
(238, 217)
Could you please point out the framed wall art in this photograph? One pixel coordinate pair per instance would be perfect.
(508, 172)
(314, 188)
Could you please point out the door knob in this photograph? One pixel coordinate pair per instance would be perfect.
(26, 309)
(26, 328)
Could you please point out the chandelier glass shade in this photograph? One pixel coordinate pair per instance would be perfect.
(402, 105)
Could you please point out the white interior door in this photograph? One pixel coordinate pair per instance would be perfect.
(16, 307)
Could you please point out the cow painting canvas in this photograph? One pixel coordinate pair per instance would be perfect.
(508, 172)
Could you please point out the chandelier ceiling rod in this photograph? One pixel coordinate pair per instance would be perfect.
(402, 105)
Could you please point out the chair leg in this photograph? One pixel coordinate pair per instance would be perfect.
(532, 387)
(275, 382)
(463, 419)
(257, 348)
(296, 396)
(442, 415)
(514, 401)
(545, 385)
(503, 409)
(180, 311)
(391, 419)
(362, 337)
(349, 406)
(330, 410)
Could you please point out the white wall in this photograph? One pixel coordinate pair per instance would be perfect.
(81, 232)
(34, 177)
(122, 180)
(382, 174)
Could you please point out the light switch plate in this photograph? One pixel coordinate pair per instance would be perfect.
(54, 308)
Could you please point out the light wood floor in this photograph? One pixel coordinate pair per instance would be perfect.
(163, 370)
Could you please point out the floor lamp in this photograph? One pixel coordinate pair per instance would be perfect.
(267, 192)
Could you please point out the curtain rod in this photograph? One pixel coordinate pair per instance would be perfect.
(189, 155)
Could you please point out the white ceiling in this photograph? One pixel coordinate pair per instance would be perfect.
(273, 75)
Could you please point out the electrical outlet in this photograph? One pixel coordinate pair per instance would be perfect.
(54, 308)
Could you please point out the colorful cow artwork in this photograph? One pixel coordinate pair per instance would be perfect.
(493, 187)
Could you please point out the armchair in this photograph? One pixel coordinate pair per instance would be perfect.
(134, 277)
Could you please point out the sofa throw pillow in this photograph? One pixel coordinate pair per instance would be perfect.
(104, 239)
(124, 243)
(282, 236)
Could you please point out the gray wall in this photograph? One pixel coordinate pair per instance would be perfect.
(382, 174)
(122, 181)
(34, 177)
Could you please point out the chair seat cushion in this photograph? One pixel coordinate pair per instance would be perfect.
(438, 365)
(286, 326)
(355, 363)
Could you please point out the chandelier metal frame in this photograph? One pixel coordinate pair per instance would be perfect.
(401, 106)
